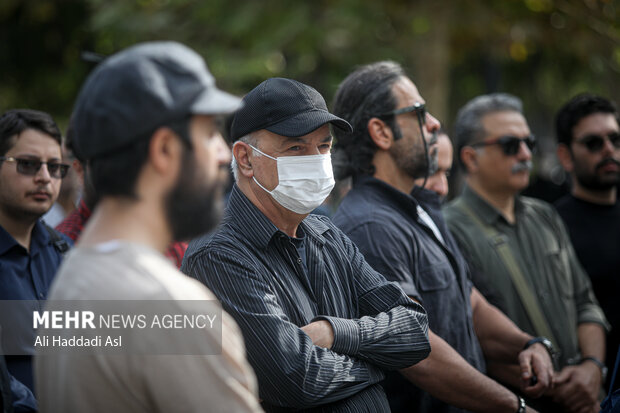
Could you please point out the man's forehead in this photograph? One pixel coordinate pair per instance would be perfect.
(34, 142)
(406, 92)
(596, 123)
(505, 122)
(322, 133)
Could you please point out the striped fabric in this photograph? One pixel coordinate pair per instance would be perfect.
(255, 270)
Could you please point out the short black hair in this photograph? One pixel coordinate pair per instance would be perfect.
(579, 107)
(116, 173)
(13, 122)
(364, 94)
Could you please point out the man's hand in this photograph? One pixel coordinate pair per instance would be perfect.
(577, 388)
(320, 332)
(535, 361)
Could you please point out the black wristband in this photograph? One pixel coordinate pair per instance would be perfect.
(545, 342)
(521, 408)
(600, 365)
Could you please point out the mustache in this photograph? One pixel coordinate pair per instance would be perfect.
(40, 190)
(522, 166)
(606, 162)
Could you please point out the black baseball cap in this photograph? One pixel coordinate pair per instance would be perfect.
(140, 89)
(285, 107)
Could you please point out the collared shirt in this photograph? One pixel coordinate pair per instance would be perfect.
(73, 225)
(26, 275)
(541, 246)
(384, 223)
(255, 270)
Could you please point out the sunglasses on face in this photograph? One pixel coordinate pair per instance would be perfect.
(30, 167)
(510, 144)
(595, 143)
(418, 108)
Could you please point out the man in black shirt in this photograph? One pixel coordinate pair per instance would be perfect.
(588, 133)
(320, 325)
(407, 240)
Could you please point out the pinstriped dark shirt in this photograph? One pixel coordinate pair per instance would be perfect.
(255, 270)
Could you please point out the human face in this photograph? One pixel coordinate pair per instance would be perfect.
(497, 171)
(24, 197)
(195, 204)
(598, 170)
(318, 142)
(408, 152)
(438, 182)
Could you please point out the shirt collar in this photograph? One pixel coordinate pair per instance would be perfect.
(484, 210)
(84, 210)
(40, 239)
(259, 230)
(386, 193)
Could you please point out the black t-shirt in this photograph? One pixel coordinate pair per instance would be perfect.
(595, 232)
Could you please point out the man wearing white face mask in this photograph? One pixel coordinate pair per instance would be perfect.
(321, 326)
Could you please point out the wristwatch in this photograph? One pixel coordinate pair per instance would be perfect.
(545, 342)
(600, 365)
(521, 408)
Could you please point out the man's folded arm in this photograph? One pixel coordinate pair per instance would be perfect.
(291, 370)
(392, 329)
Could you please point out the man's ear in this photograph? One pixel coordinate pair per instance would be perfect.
(469, 157)
(380, 133)
(165, 151)
(566, 157)
(241, 153)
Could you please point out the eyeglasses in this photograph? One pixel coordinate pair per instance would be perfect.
(595, 143)
(418, 108)
(510, 144)
(30, 167)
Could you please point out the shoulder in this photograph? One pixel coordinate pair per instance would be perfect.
(538, 207)
(454, 212)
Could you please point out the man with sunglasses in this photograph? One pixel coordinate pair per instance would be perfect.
(401, 232)
(521, 253)
(31, 170)
(588, 134)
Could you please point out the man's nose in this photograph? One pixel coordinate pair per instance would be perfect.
(43, 174)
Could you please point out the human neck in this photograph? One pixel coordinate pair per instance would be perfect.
(20, 228)
(603, 197)
(285, 220)
(503, 201)
(117, 218)
(387, 171)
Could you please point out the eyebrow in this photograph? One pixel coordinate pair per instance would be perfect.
(290, 140)
(35, 157)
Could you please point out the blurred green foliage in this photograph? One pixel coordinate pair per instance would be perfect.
(544, 51)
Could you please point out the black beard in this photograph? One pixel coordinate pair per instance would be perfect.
(593, 182)
(193, 206)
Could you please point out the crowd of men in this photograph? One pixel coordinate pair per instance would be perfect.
(398, 302)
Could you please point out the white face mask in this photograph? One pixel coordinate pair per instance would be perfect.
(304, 182)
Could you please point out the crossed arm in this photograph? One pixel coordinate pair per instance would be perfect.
(292, 370)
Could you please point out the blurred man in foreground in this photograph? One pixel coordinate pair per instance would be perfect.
(144, 124)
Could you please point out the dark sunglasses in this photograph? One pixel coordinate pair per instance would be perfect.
(510, 144)
(418, 108)
(30, 167)
(595, 143)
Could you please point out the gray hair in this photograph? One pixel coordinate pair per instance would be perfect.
(250, 140)
(468, 124)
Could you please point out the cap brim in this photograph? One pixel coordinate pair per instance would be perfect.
(215, 102)
(307, 122)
